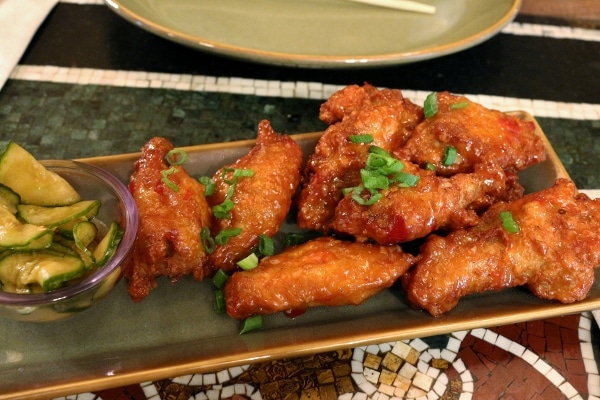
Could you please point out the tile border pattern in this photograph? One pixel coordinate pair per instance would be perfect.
(271, 88)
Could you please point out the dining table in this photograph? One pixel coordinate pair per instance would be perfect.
(93, 80)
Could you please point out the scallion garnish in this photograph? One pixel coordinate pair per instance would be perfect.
(292, 239)
(249, 262)
(407, 180)
(364, 138)
(165, 178)
(224, 235)
(219, 305)
(430, 166)
(508, 222)
(207, 241)
(266, 247)
(430, 107)
(223, 210)
(176, 157)
(219, 279)
(449, 155)
(374, 180)
(460, 105)
(209, 185)
(251, 324)
(372, 198)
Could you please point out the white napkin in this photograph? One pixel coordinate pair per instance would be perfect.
(19, 20)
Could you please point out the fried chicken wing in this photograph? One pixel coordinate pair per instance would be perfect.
(477, 133)
(384, 114)
(554, 252)
(322, 272)
(435, 203)
(171, 218)
(260, 202)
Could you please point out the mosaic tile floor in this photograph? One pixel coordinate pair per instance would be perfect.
(550, 359)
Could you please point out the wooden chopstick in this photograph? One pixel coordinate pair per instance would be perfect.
(405, 5)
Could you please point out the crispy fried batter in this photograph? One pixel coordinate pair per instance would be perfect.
(554, 253)
(384, 114)
(261, 202)
(479, 135)
(436, 203)
(321, 272)
(167, 242)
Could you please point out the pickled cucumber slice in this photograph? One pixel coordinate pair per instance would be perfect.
(49, 270)
(19, 236)
(21, 172)
(52, 217)
(9, 198)
(108, 244)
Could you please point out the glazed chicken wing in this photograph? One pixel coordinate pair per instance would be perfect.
(172, 211)
(321, 272)
(477, 133)
(554, 252)
(384, 114)
(260, 202)
(435, 203)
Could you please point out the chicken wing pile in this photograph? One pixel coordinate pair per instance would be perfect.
(175, 212)
(428, 196)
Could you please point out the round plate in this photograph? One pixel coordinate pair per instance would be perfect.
(320, 33)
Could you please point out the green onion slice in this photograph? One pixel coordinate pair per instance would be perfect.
(207, 241)
(364, 138)
(459, 105)
(430, 108)
(176, 157)
(251, 324)
(224, 235)
(449, 155)
(248, 263)
(266, 247)
(165, 178)
(430, 166)
(219, 305)
(407, 180)
(373, 180)
(357, 196)
(223, 210)
(508, 222)
(219, 279)
(209, 185)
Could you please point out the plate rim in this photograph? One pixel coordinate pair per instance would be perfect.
(313, 61)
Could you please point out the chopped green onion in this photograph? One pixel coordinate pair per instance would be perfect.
(236, 174)
(224, 235)
(373, 180)
(407, 180)
(449, 155)
(219, 279)
(430, 108)
(219, 305)
(292, 239)
(209, 185)
(364, 138)
(251, 324)
(248, 263)
(266, 247)
(176, 157)
(207, 241)
(222, 210)
(380, 151)
(430, 166)
(508, 222)
(165, 178)
(460, 105)
(372, 199)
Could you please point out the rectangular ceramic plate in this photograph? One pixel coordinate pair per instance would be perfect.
(175, 331)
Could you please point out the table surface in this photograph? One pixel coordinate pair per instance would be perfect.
(92, 84)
